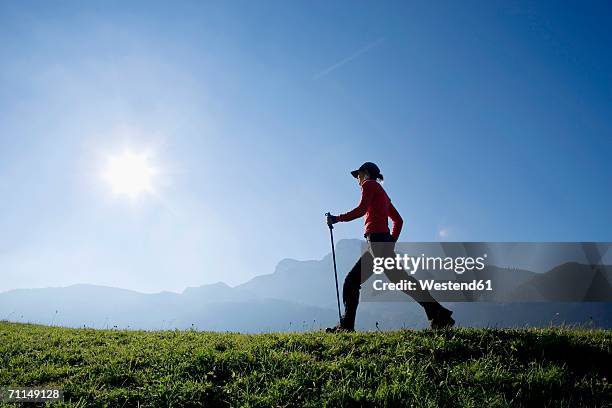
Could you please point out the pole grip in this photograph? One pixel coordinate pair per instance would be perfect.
(327, 214)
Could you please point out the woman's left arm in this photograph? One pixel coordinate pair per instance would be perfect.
(367, 192)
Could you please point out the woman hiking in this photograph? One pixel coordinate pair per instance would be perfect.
(377, 207)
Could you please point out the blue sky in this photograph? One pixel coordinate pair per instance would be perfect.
(491, 121)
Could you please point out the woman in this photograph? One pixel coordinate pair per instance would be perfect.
(376, 206)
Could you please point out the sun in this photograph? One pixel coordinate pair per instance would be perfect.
(130, 174)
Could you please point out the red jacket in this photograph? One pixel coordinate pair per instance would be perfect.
(377, 207)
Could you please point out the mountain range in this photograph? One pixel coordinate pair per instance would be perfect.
(300, 296)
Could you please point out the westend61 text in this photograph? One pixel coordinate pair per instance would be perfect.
(430, 284)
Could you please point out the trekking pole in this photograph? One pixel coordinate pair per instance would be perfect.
(331, 235)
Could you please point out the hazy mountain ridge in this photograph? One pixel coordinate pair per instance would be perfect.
(298, 295)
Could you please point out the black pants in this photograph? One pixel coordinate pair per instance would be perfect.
(379, 245)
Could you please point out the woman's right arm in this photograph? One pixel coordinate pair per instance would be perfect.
(398, 222)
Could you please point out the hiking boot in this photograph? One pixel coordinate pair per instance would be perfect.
(338, 329)
(341, 327)
(442, 320)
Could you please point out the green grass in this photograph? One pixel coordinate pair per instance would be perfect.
(559, 367)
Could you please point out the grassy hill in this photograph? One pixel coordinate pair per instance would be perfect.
(463, 367)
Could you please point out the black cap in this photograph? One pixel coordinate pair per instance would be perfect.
(370, 167)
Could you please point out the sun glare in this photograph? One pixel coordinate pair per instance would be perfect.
(130, 174)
